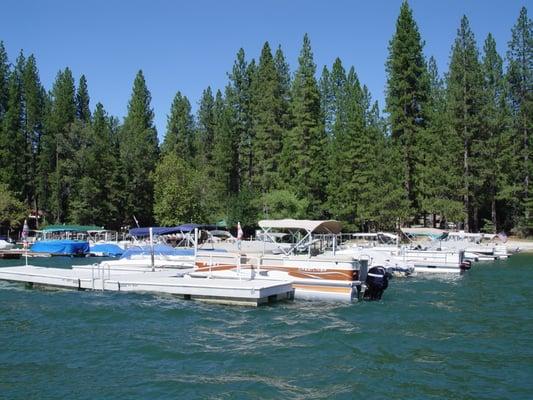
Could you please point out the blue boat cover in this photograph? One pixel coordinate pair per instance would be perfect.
(61, 247)
(159, 249)
(107, 249)
(163, 250)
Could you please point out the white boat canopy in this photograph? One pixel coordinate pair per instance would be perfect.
(463, 234)
(431, 232)
(312, 226)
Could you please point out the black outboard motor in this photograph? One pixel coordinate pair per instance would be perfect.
(377, 281)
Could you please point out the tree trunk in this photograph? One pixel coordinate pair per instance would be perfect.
(493, 213)
(466, 197)
(526, 168)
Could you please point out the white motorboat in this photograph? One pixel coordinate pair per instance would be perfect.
(5, 245)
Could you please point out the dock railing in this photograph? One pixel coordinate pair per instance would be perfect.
(100, 270)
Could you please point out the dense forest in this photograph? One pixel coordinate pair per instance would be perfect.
(451, 147)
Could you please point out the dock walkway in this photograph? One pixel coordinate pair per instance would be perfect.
(175, 282)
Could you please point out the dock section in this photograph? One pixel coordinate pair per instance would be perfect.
(215, 290)
(10, 254)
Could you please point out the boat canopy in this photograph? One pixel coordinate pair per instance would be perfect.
(463, 234)
(71, 228)
(432, 233)
(159, 230)
(313, 226)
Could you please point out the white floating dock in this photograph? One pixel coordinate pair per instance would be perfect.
(216, 290)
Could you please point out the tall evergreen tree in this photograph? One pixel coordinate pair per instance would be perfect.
(179, 137)
(325, 100)
(267, 109)
(344, 96)
(407, 95)
(34, 108)
(138, 154)
(12, 144)
(520, 78)
(205, 130)
(60, 144)
(495, 150)
(4, 75)
(349, 149)
(225, 149)
(83, 112)
(465, 104)
(97, 169)
(238, 95)
(284, 77)
(304, 155)
(439, 179)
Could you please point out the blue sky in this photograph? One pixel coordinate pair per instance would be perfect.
(188, 46)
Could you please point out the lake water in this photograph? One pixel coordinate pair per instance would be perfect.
(468, 337)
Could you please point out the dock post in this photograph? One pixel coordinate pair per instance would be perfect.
(152, 249)
(195, 243)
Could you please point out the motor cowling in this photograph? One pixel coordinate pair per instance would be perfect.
(377, 281)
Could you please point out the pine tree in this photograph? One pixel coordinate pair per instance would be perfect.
(238, 96)
(205, 131)
(304, 155)
(138, 155)
(407, 95)
(34, 108)
(439, 179)
(96, 181)
(465, 104)
(83, 111)
(225, 149)
(268, 110)
(284, 77)
(12, 144)
(520, 78)
(324, 86)
(179, 137)
(495, 150)
(60, 148)
(4, 76)
(347, 158)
